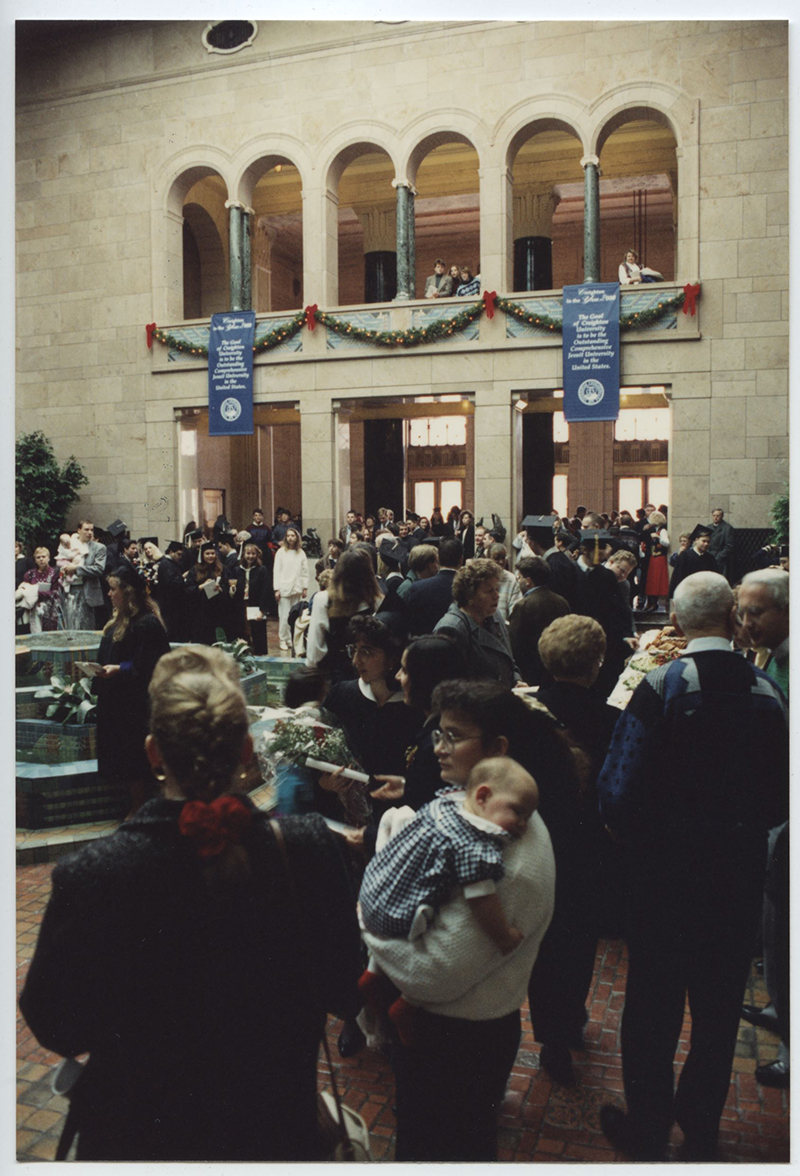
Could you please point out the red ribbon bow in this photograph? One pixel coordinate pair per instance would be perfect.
(690, 296)
(213, 827)
(150, 328)
(489, 298)
(311, 322)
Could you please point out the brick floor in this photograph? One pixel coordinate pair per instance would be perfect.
(539, 1121)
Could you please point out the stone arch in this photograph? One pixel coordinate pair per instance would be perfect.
(673, 110)
(272, 184)
(542, 146)
(358, 216)
(182, 181)
(205, 268)
(447, 215)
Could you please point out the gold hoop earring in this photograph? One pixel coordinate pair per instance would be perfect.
(160, 776)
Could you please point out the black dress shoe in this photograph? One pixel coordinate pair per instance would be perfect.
(773, 1074)
(556, 1061)
(757, 1016)
(618, 1129)
(351, 1040)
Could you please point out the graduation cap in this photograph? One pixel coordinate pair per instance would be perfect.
(595, 539)
(116, 529)
(204, 547)
(227, 537)
(392, 552)
(411, 517)
(192, 535)
(174, 545)
(148, 539)
(700, 529)
(542, 523)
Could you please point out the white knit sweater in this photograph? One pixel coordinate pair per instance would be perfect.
(290, 571)
(455, 969)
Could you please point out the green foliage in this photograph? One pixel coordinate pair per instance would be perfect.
(779, 514)
(45, 490)
(239, 650)
(71, 702)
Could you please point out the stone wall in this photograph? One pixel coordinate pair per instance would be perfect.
(116, 122)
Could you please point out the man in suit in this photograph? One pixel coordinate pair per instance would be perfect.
(696, 558)
(428, 600)
(531, 616)
(349, 528)
(439, 284)
(696, 774)
(721, 542)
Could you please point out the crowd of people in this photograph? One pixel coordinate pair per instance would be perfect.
(456, 281)
(510, 817)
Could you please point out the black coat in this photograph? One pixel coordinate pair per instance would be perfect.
(201, 1007)
(122, 700)
(689, 562)
(428, 601)
(206, 614)
(565, 580)
(170, 595)
(529, 619)
(603, 600)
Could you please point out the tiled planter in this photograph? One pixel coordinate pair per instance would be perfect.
(278, 671)
(41, 741)
(49, 795)
(54, 653)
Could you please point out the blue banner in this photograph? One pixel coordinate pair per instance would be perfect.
(230, 373)
(591, 351)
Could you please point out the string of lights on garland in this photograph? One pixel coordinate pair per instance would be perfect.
(431, 333)
(278, 334)
(413, 337)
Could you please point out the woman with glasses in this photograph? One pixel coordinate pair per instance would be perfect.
(452, 1075)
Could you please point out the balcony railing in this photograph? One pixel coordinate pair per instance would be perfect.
(503, 331)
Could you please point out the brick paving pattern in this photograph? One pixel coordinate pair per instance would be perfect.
(539, 1121)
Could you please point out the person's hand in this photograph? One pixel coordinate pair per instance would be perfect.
(334, 781)
(277, 594)
(233, 588)
(261, 616)
(520, 685)
(354, 839)
(304, 593)
(393, 789)
(633, 642)
(107, 671)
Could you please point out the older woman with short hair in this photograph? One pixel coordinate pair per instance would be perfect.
(473, 620)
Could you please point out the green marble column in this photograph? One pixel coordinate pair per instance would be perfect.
(402, 243)
(247, 276)
(235, 241)
(591, 219)
(412, 246)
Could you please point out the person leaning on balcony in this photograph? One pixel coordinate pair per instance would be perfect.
(630, 273)
(470, 286)
(439, 284)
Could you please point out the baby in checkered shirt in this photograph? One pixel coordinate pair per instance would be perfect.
(449, 843)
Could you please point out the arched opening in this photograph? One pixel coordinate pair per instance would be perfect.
(367, 225)
(447, 206)
(205, 270)
(638, 192)
(198, 200)
(545, 159)
(276, 245)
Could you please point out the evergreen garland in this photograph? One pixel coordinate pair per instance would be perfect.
(415, 336)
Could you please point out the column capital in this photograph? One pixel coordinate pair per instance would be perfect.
(404, 184)
(587, 159)
(238, 204)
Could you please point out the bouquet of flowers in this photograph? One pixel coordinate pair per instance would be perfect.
(299, 736)
(656, 648)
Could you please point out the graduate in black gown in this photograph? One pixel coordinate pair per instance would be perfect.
(696, 558)
(132, 643)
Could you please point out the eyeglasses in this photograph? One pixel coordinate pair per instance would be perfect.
(448, 740)
(360, 651)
